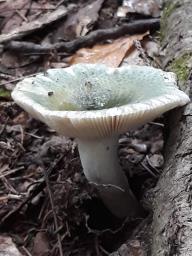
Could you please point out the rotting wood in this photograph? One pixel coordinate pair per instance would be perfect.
(172, 221)
(100, 35)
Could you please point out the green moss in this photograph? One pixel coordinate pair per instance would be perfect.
(4, 93)
(167, 11)
(180, 66)
(169, 8)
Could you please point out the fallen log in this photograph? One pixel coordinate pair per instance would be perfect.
(172, 220)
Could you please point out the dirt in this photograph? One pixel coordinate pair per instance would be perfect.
(28, 149)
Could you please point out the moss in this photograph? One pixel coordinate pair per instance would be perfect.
(169, 8)
(180, 66)
(4, 93)
(167, 11)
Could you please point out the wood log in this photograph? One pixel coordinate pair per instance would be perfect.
(172, 220)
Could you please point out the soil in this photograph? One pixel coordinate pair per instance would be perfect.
(28, 150)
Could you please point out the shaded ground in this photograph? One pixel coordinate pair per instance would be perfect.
(28, 149)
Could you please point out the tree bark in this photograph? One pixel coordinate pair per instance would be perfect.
(172, 220)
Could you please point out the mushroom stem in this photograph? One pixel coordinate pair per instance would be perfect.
(101, 167)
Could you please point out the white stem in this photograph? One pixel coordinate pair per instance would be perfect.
(101, 167)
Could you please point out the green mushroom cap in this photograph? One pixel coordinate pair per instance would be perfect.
(92, 100)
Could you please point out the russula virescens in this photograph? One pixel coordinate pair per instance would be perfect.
(94, 104)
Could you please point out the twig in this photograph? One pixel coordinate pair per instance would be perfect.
(158, 124)
(34, 25)
(143, 54)
(139, 26)
(34, 135)
(10, 216)
(26, 251)
(106, 186)
(108, 230)
(9, 172)
(53, 211)
(22, 134)
(103, 250)
(10, 196)
(8, 186)
(59, 3)
(17, 79)
(149, 170)
(4, 126)
(21, 15)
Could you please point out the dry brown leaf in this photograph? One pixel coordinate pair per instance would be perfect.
(35, 25)
(110, 54)
(38, 8)
(13, 13)
(134, 56)
(81, 22)
(41, 245)
(87, 16)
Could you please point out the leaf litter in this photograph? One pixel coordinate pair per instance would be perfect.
(30, 150)
(82, 21)
(111, 54)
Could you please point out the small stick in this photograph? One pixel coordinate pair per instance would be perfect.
(100, 35)
(26, 251)
(33, 26)
(149, 171)
(143, 54)
(21, 15)
(53, 211)
(17, 79)
(10, 196)
(11, 172)
(7, 218)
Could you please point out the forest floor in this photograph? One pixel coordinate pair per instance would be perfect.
(47, 207)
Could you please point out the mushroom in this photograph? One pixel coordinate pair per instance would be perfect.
(94, 104)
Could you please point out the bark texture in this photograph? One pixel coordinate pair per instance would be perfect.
(172, 221)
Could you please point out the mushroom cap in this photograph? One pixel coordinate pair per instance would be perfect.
(92, 100)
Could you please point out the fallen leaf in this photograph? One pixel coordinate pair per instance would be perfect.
(34, 25)
(132, 248)
(156, 160)
(110, 54)
(41, 245)
(136, 248)
(147, 7)
(81, 22)
(87, 17)
(39, 7)
(134, 57)
(21, 119)
(13, 13)
(7, 247)
(152, 48)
